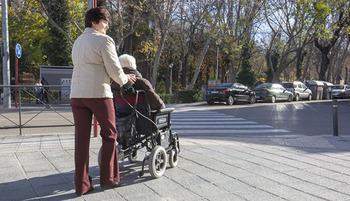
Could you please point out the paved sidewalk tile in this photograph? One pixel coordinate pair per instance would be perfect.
(41, 167)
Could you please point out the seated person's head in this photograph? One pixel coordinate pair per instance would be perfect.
(127, 61)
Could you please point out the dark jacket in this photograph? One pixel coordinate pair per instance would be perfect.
(141, 84)
(44, 82)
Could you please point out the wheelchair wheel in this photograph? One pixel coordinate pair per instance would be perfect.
(157, 162)
(133, 156)
(173, 158)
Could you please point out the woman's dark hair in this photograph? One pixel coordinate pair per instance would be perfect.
(95, 15)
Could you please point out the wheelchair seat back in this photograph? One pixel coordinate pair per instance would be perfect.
(129, 123)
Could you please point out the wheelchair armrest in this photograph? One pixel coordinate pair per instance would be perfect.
(166, 110)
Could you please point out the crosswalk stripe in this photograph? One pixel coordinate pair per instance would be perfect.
(231, 131)
(199, 116)
(221, 126)
(197, 112)
(209, 119)
(210, 122)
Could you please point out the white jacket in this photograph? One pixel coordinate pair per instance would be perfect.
(95, 62)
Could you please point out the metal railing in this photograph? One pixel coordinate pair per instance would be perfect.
(28, 96)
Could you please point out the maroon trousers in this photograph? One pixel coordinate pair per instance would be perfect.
(103, 109)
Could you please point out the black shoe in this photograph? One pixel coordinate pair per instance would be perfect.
(115, 185)
(91, 189)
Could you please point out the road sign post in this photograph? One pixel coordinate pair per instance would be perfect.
(18, 55)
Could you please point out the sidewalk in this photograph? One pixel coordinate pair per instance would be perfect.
(41, 167)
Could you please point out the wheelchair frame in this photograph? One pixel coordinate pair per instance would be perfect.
(160, 141)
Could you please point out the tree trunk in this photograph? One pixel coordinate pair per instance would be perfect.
(164, 31)
(324, 65)
(230, 73)
(169, 81)
(305, 67)
(194, 78)
(326, 49)
(156, 60)
(144, 69)
(206, 46)
(276, 77)
(184, 78)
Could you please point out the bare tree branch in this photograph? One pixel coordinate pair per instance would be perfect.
(53, 23)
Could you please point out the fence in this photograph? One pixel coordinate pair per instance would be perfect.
(31, 101)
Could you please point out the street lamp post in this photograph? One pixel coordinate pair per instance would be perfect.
(171, 78)
(217, 58)
(5, 55)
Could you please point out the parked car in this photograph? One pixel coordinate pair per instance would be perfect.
(272, 92)
(299, 90)
(230, 93)
(341, 91)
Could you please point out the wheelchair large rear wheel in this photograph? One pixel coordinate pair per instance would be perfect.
(157, 162)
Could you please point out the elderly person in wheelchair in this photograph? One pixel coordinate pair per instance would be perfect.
(128, 64)
(143, 121)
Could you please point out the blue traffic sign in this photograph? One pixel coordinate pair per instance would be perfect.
(18, 51)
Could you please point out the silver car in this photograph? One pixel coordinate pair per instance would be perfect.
(341, 91)
(299, 90)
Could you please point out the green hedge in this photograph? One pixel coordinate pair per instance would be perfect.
(54, 95)
(185, 96)
(168, 98)
(190, 96)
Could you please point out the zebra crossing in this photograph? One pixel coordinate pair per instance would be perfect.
(211, 122)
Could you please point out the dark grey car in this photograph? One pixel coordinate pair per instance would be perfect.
(272, 92)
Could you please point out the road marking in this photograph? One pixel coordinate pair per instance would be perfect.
(231, 131)
(200, 115)
(211, 119)
(212, 123)
(209, 122)
(221, 126)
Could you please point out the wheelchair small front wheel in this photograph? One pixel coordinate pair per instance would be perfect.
(157, 162)
(133, 156)
(173, 158)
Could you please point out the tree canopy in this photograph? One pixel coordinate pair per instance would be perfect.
(260, 41)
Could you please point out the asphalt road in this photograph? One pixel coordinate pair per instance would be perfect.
(221, 120)
(303, 117)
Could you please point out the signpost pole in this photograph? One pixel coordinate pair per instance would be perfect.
(18, 55)
(16, 81)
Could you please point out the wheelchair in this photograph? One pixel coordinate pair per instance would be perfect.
(138, 127)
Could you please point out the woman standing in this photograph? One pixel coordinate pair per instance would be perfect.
(95, 63)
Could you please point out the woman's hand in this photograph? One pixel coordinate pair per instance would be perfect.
(131, 78)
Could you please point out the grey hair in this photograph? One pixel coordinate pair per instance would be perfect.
(127, 61)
